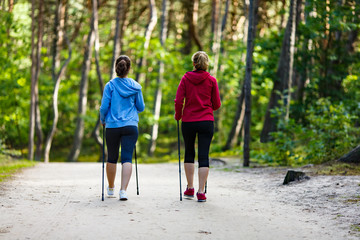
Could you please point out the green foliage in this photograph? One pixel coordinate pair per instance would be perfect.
(328, 134)
(330, 131)
(14, 75)
(323, 121)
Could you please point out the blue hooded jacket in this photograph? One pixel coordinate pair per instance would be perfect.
(122, 101)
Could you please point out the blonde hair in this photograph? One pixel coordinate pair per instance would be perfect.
(200, 60)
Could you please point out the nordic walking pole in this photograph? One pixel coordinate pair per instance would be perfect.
(137, 182)
(179, 158)
(103, 163)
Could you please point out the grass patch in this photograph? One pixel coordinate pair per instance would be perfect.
(355, 199)
(8, 166)
(336, 168)
(355, 227)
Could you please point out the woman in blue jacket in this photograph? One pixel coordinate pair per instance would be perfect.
(121, 102)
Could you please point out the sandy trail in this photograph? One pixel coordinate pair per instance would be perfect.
(63, 201)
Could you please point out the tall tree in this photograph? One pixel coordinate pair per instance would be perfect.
(216, 43)
(57, 77)
(79, 131)
(283, 82)
(59, 32)
(240, 108)
(194, 23)
(214, 15)
(191, 18)
(38, 128)
(149, 29)
(35, 121)
(304, 74)
(186, 35)
(117, 36)
(11, 5)
(214, 19)
(247, 82)
(95, 132)
(33, 83)
(217, 50)
(160, 79)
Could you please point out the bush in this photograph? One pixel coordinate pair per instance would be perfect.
(328, 133)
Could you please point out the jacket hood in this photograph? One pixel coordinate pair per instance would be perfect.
(125, 86)
(197, 77)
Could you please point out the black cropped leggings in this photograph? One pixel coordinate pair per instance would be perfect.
(205, 132)
(124, 136)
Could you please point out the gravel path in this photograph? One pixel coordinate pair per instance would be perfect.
(63, 201)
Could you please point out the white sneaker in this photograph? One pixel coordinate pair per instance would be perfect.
(110, 192)
(123, 195)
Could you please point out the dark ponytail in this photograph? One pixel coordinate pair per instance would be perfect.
(122, 66)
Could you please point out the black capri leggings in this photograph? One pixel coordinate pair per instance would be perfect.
(205, 132)
(124, 136)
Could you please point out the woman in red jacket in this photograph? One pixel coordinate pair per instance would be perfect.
(201, 94)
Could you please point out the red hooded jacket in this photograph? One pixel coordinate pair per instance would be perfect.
(201, 94)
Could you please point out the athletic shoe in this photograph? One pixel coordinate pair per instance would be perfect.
(123, 195)
(110, 192)
(201, 197)
(189, 192)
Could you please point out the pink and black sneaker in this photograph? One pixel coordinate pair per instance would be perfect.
(189, 192)
(201, 197)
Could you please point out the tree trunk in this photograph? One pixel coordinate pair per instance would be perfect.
(304, 75)
(284, 72)
(191, 17)
(193, 24)
(351, 157)
(33, 84)
(215, 49)
(97, 45)
(117, 45)
(57, 80)
(140, 75)
(187, 35)
(55, 45)
(11, 5)
(247, 83)
(240, 109)
(218, 50)
(79, 131)
(95, 133)
(59, 32)
(124, 23)
(160, 79)
(291, 52)
(214, 18)
(35, 123)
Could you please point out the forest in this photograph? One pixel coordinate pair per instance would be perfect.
(288, 74)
